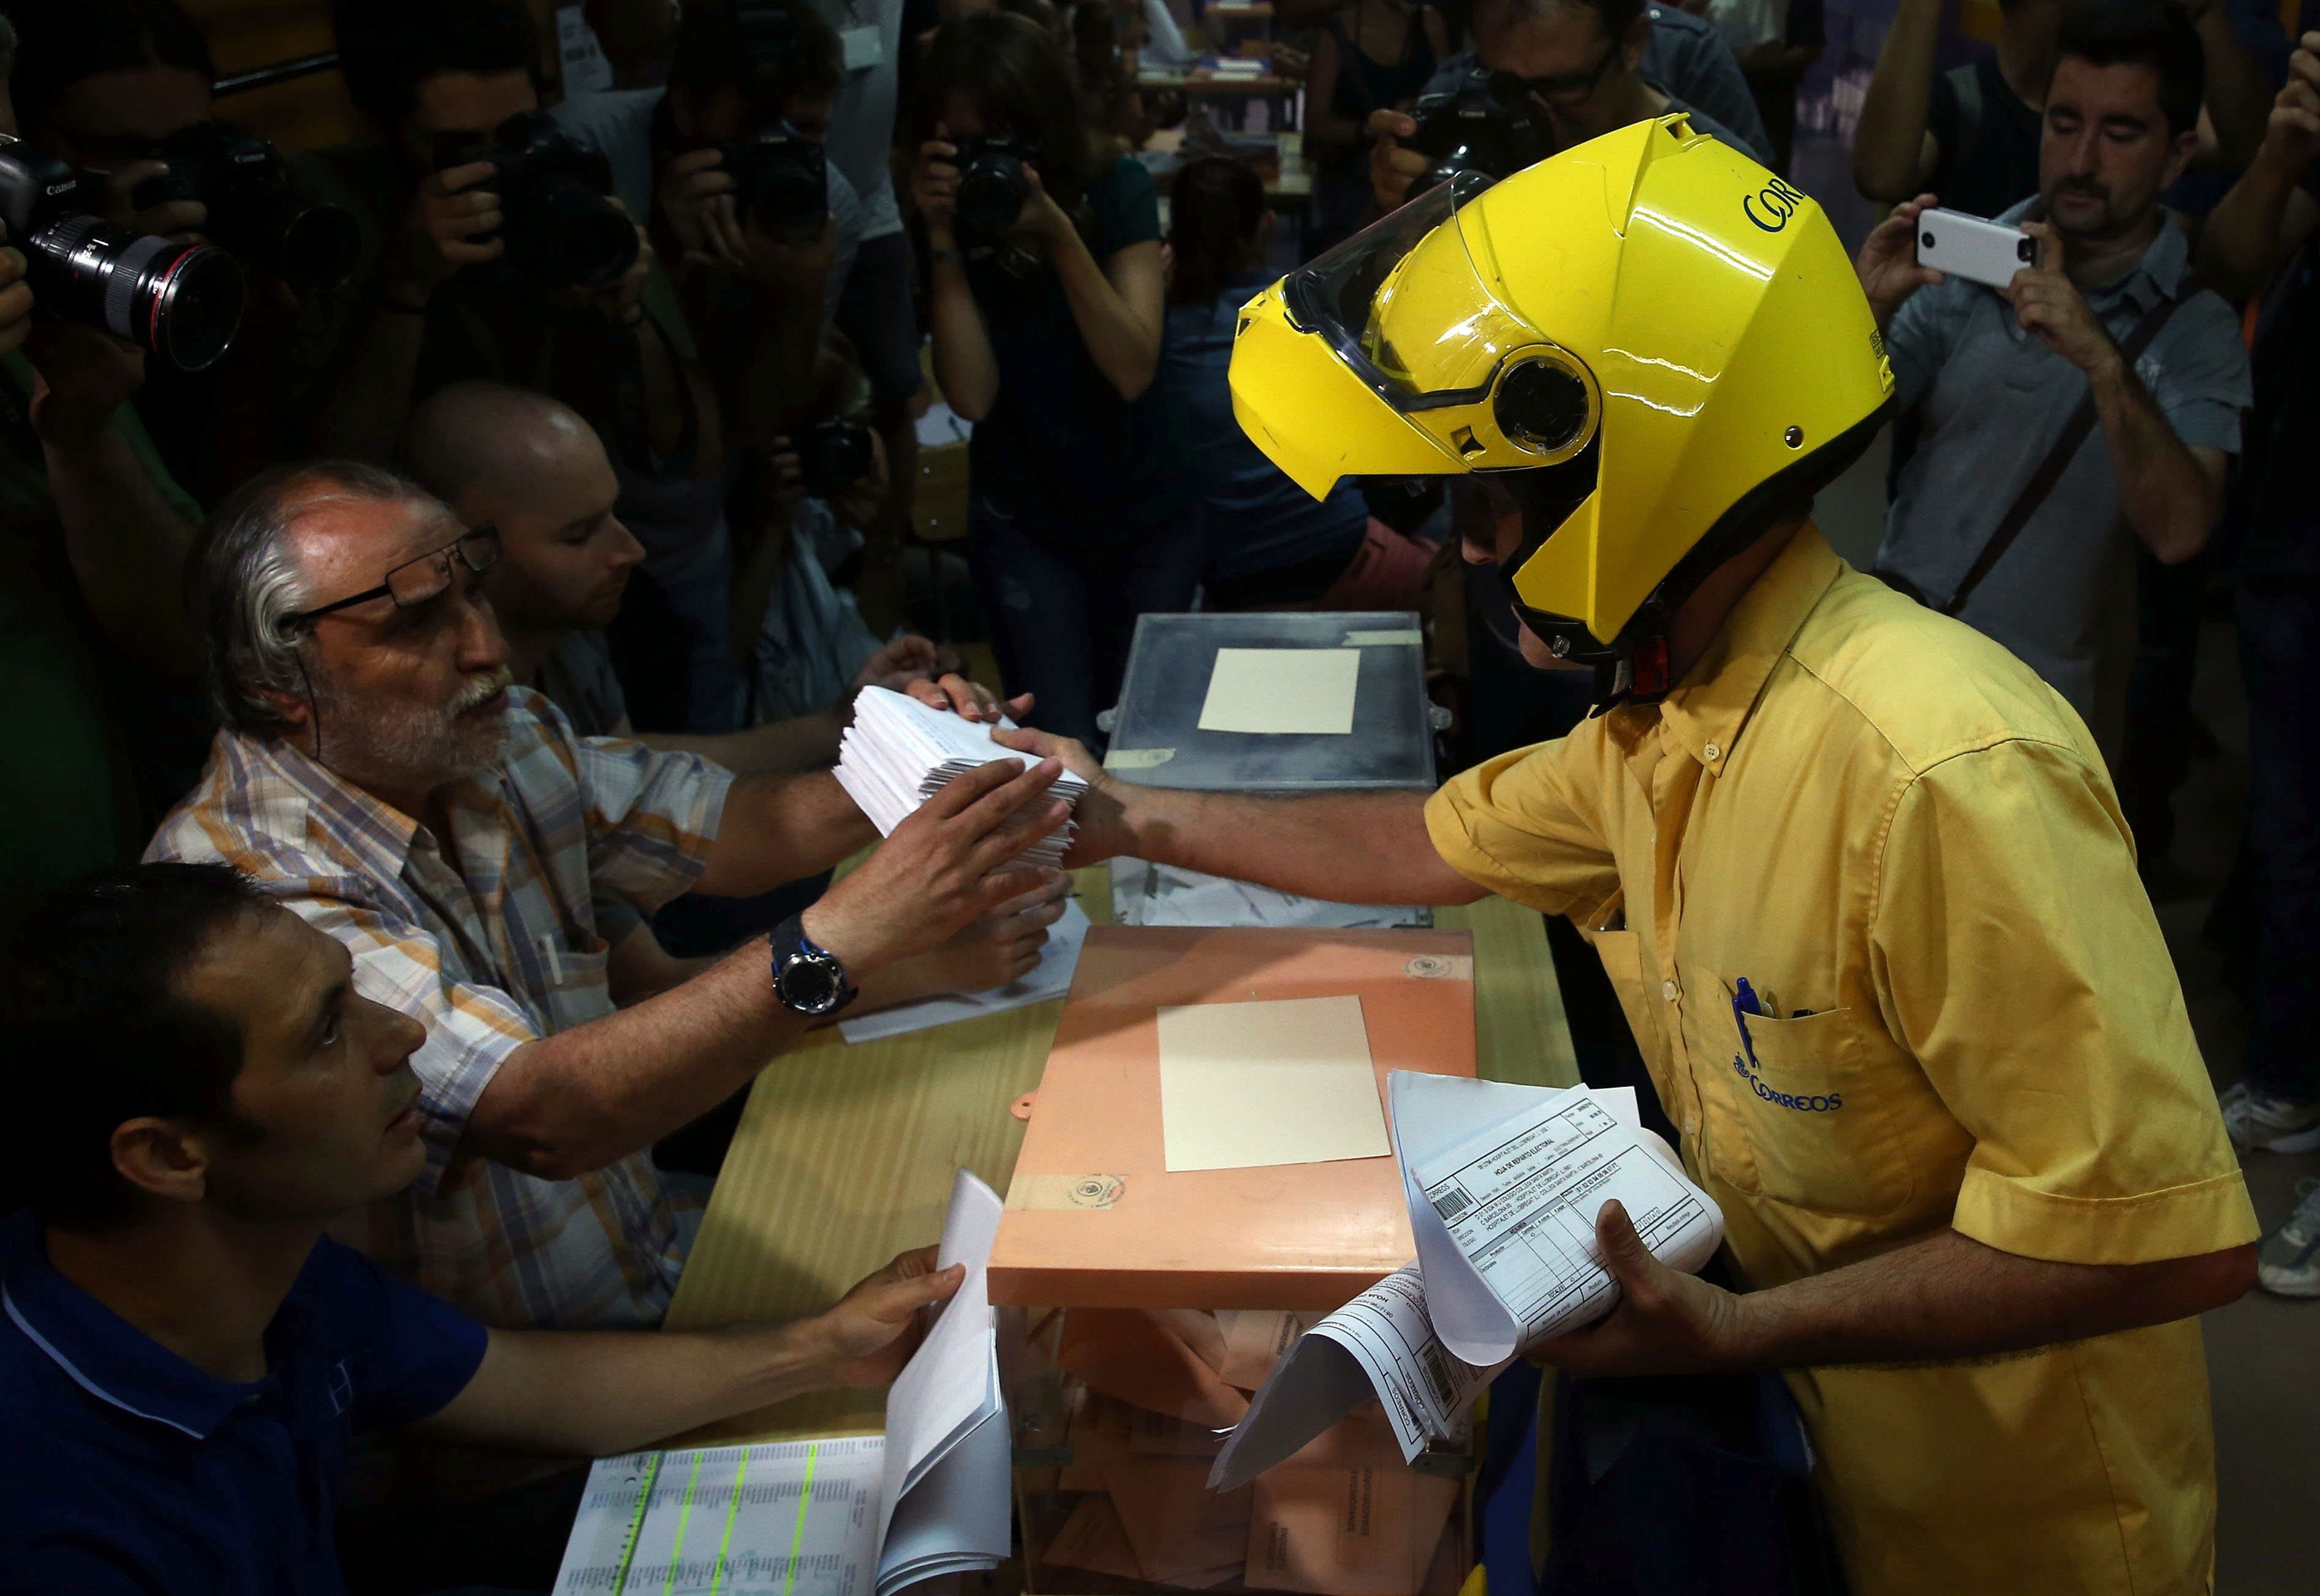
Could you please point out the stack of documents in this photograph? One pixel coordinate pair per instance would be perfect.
(899, 752)
(1503, 1185)
(848, 1517)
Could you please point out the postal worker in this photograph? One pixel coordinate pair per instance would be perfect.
(1859, 877)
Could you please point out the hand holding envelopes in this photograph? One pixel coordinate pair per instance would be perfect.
(899, 752)
(1287, 1081)
(1503, 1183)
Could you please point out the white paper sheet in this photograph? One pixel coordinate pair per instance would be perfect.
(1052, 978)
(1288, 1080)
(1147, 894)
(899, 752)
(795, 1516)
(1503, 1185)
(1283, 691)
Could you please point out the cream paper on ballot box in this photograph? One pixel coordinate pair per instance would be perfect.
(1503, 1183)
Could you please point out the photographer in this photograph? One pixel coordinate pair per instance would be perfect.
(1583, 67)
(1047, 306)
(491, 259)
(92, 532)
(121, 89)
(1269, 544)
(748, 103)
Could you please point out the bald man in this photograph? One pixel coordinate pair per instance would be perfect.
(532, 467)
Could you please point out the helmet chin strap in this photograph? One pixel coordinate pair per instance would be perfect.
(1635, 673)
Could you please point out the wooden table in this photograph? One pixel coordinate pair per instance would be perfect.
(844, 1155)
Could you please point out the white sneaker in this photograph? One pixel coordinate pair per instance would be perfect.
(2289, 1262)
(2259, 1121)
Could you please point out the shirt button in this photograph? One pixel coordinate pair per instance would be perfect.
(1691, 1124)
(1711, 750)
(1668, 989)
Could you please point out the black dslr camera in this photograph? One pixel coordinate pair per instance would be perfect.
(1486, 124)
(254, 209)
(781, 180)
(832, 453)
(561, 230)
(992, 184)
(183, 301)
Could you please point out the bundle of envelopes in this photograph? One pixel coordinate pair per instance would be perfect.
(1160, 1387)
(899, 752)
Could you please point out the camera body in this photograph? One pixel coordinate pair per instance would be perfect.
(832, 453)
(181, 302)
(561, 227)
(1483, 125)
(254, 209)
(992, 182)
(781, 180)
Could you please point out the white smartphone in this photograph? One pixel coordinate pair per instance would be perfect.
(1968, 247)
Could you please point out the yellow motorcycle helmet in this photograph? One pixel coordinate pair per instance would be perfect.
(1648, 344)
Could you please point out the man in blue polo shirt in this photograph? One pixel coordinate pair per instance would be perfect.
(184, 1356)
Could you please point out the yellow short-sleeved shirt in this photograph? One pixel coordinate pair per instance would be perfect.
(1907, 844)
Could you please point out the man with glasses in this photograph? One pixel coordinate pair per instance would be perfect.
(381, 775)
(1588, 66)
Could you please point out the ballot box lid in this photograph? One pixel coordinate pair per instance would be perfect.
(1095, 1219)
(1158, 739)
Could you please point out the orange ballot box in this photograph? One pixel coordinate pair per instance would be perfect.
(1209, 1132)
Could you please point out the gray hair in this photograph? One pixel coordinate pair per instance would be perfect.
(248, 586)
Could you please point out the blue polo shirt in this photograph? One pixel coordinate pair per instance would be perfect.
(124, 1468)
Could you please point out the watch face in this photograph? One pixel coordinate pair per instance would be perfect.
(809, 984)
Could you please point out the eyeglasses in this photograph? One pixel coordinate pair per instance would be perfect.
(1568, 88)
(420, 580)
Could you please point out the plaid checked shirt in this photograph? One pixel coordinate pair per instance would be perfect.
(489, 956)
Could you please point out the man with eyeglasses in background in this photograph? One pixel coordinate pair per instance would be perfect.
(1589, 67)
(380, 773)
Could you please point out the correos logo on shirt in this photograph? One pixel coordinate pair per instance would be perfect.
(1817, 1103)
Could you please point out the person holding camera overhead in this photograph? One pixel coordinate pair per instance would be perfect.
(1048, 303)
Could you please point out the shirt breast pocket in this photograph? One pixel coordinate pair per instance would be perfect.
(1795, 1114)
(575, 985)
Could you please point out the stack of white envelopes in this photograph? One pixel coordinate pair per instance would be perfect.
(899, 752)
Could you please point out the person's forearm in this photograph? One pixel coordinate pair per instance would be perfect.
(1354, 848)
(1125, 347)
(966, 369)
(2238, 97)
(2170, 500)
(784, 747)
(584, 1098)
(1950, 1297)
(570, 1393)
(2239, 243)
(1889, 144)
(127, 544)
(366, 400)
(777, 829)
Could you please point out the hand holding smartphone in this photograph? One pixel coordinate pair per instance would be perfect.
(1968, 247)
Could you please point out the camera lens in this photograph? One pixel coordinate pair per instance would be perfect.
(316, 244)
(183, 301)
(584, 239)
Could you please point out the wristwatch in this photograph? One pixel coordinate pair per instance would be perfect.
(808, 978)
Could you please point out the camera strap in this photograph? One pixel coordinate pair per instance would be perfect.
(2042, 481)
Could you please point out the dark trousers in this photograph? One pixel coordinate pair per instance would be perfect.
(2279, 658)
(1062, 614)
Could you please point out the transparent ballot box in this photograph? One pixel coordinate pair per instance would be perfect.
(1213, 701)
(1118, 1415)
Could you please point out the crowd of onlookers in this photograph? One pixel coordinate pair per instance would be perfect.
(496, 603)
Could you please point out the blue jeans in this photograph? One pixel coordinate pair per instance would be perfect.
(2279, 659)
(1062, 615)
